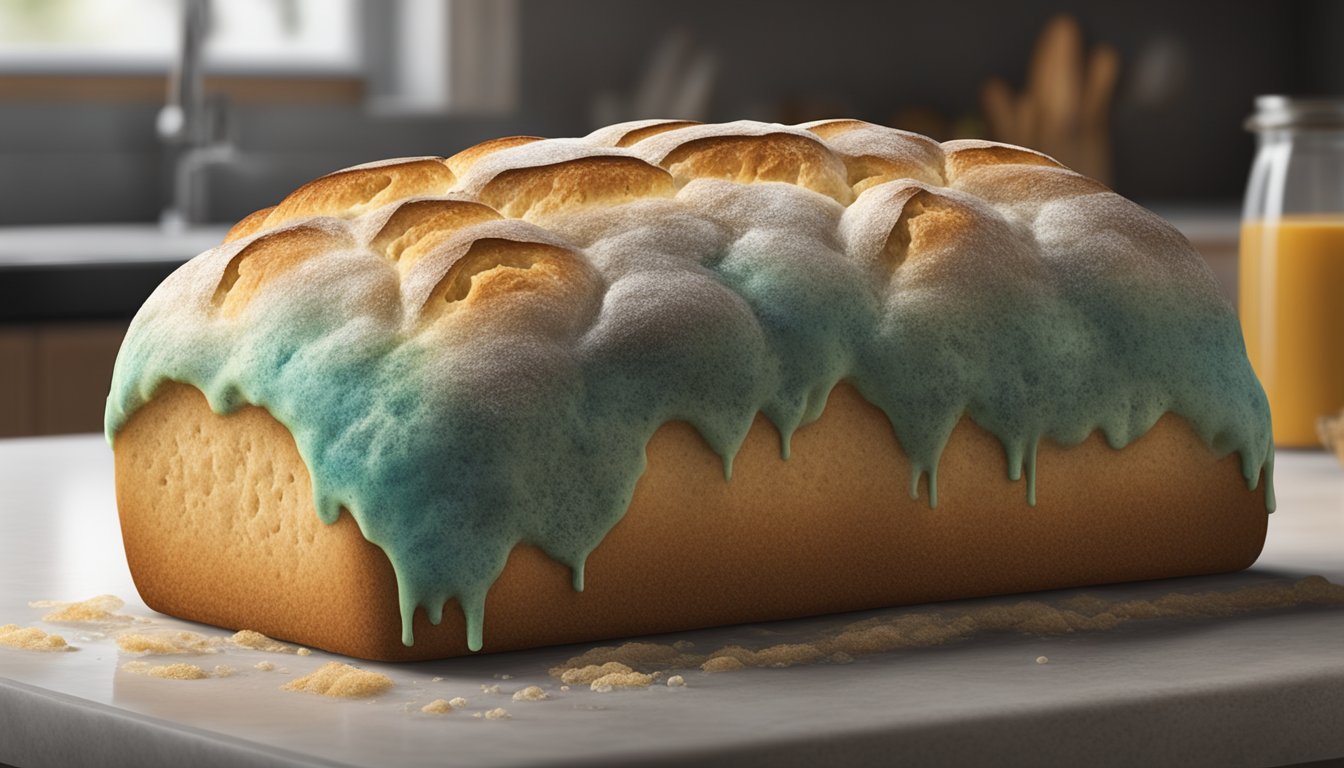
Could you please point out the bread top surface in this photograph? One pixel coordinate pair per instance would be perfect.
(472, 352)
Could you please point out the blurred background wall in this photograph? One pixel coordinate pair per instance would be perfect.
(1187, 74)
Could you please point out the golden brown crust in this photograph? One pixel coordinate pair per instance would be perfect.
(219, 527)
(526, 193)
(268, 257)
(248, 225)
(462, 162)
(348, 193)
(783, 157)
(637, 135)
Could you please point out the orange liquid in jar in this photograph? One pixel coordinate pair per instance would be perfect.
(1292, 314)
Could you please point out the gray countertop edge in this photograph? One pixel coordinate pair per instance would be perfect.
(46, 728)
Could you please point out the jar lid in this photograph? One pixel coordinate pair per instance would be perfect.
(1296, 112)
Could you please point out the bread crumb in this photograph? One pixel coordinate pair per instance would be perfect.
(31, 639)
(304, 652)
(161, 643)
(96, 609)
(436, 679)
(438, 707)
(586, 675)
(256, 641)
(506, 677)
(178, 671)
(610, 682)
(676, 681)
(490, 688)
(341, 681)
(223, 670)
(264, 666)
(530, 693)
(498, 713)
(722, 664)
(1042, 660)
(564, 689)
(458, 702)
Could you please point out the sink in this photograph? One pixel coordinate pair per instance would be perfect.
(103, 244)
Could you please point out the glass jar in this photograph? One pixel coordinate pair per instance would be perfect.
(1291, 276)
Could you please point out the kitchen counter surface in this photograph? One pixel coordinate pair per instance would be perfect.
(1262, 688)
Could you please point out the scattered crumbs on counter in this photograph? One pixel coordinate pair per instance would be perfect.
(564, 689)
(179, 671)
(436, 679)
(341, 681)
(1080, 613)
(530, 693)
(722, 664)
(490, 688)
(586, 674)
(438, 707)
(506, 676)
(102, 608)
(304, 652)
(1042, 660)
(223, 670)
(676, 681)
(166, 642)
(610, 682)
(32, 639)
(264, 666)
(498, 713)
(458, 702)
(256, 641)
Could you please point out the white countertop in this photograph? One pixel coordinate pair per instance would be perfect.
(1258, 689)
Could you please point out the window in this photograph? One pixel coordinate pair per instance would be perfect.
(246, 36)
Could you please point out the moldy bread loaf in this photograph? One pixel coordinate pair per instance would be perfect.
(673, 375)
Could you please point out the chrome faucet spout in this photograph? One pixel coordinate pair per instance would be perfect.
(191, 126)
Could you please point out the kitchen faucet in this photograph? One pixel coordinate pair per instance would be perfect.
(192, 126)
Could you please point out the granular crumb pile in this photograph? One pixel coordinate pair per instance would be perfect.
(676, 681)
(498, 713)
(530, 693)
(264, 666)
(458, 702)
(438, 707)
(169, 671)
(31, 639)
(174, 642)
(258, 642)
(1081, 613)
(102, 608)
(341, 681)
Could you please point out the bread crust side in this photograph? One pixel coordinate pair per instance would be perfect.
(219, 527)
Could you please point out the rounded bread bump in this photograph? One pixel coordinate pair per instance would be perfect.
(248, 225)
(540, 191)
(874, 154)
(354, 191)
(461, 163)
(783, 157)
(418, 226)
(268, 257)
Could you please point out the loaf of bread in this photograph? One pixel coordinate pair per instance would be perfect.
(674, 375)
